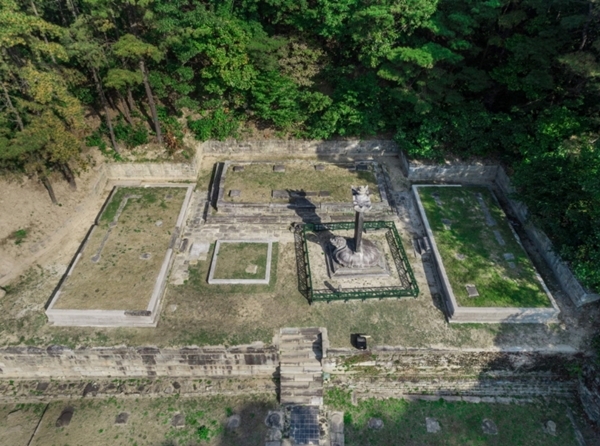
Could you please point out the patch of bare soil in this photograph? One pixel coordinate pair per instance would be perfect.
(51, 233)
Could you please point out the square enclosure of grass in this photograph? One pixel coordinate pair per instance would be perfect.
(483, 259)
(241, 262)
(118, 267)
(257, 181)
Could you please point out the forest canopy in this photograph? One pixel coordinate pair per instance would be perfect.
(514, 81)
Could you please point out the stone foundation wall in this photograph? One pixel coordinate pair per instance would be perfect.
(298, 147)
(63, 363)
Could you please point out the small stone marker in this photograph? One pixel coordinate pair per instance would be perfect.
(274, 420)
(252, 269)
(550, 428)
(279, 168)
(233, 422)
(447, 224)
(178, 420)
(145, 256)
(472, 290)
(122, 418)
(235, 193)
(168, 197)
(433, 425)
(362, 167)
(375, 424)
(499, 238)
(508, 256)
(280, 194)
(489, 427)
(158, 223)
(184, 245)
(65, 417)
(319, 167)
(238, 168)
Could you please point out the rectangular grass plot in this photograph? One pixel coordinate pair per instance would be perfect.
(123, 263)
(241, 262)
(475, 241)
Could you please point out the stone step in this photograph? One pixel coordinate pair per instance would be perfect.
(302, 400)
(297, 370)
(314, 377)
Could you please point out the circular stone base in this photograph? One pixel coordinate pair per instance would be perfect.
(346, 255)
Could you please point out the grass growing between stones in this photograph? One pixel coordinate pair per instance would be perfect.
(460, 422)
(241, 261)
(150, 421)
(257, 182)
(473, 253)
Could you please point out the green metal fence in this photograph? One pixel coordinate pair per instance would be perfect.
(409, 287)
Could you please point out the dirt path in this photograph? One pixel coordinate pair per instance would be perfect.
(53, 233)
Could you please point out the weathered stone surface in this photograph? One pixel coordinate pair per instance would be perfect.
(238, 168)
(178, 420)
(252, 269)
(274, 434)
(472, 290)
(375, 423)
(279, 168)
(65, 417)
(122, 418)
(158, 223)
(489, 427)
(233, 422)
(274, 419)
(235, 193)
(319, 167)
(432, 425)
(550, 427)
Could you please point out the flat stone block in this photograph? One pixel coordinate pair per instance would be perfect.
(279, 168)
(472, 290)
(238, 168)
(319, 167)
(280, 194)
(235, 193)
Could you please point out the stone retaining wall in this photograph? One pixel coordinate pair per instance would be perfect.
(64, 363)
(153, 171)
(298, 147)
(496, 177)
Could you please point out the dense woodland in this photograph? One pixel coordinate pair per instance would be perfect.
(515, 81)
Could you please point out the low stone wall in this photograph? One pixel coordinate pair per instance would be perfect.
(153, 171)
(299, 147)
(452, 173)
(589, 391)
(495, 176)
(475, 375)
(63, 363)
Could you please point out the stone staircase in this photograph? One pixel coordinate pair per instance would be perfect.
(301, 373)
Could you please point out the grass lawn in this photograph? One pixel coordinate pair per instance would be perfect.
(460, 422)
(150, 421)
(257, 182)
(234, 259)
(480, 249)
(122, 258)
